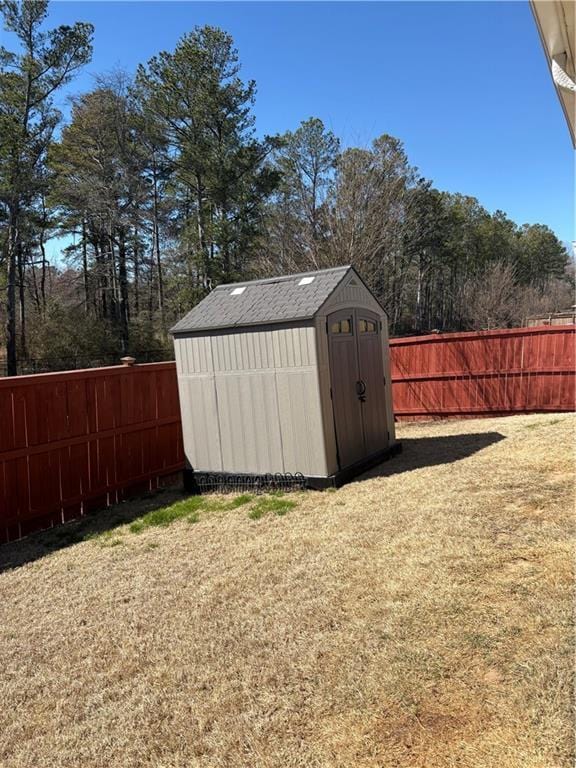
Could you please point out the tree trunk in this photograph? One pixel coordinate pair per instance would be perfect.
(136, 274)
(114, 287)
(123, 293)
(22, 299)
(156, 239)
(101, 278)
(43, 227)
(11, 352)
(201, 234)
(85, 266)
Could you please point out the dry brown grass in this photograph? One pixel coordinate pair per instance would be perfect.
(419, 618)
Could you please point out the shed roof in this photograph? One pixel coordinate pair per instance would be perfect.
(262, 302)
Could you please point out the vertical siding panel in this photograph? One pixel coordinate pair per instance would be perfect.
(196, 350)
(221, 361)
(256, 356)
(231, 339)
(296, 339)
(268, 360)
(226, 352)
(275, 349)
(201, 351)
(188, 355)
(242, 345)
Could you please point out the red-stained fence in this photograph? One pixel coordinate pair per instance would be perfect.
(489, 372)
(79, 440)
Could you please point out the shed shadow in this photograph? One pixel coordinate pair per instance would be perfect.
(42, 543)
(419, 452)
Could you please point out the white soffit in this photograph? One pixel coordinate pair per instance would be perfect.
(555, 20)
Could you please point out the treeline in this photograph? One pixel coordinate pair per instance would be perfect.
(160, 188)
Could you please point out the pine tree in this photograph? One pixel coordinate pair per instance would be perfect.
(43, 63)
(220, 176)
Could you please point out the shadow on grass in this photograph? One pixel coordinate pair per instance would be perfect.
(43, 543)
(419, 452)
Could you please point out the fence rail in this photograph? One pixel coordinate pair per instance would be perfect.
(79, 440)
(75, 441)
(490, 372)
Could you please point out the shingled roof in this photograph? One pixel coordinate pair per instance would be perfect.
(262, 302)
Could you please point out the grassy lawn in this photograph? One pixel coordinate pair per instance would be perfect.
(418, 618)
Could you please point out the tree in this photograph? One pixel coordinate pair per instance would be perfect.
(541, 255)
(425, 242)
(490, 299)
(369, 218)
(219, 174)
(306, 161)
(102, 193)
(44, 62)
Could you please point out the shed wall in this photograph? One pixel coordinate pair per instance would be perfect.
(251, 401)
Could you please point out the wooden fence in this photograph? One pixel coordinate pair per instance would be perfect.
(79, 440)
(486, 373)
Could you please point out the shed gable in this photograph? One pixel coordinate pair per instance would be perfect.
(351, 292)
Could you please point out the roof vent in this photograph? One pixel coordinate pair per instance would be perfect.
(306, 281)
(237, 291)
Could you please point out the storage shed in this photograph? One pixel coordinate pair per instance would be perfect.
(286, 375)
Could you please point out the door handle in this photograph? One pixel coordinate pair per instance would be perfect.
(360, 388)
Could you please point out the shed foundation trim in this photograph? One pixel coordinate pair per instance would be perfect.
(199, 481)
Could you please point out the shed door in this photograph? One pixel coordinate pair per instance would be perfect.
(358, 390)
(344, 377)
(371, 368)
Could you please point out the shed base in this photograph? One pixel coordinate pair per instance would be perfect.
(347, 474)
(198, 482)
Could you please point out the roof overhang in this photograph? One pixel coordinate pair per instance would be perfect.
(555, 20)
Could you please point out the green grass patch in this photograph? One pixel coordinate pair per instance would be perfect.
(188, 509)
(240, 501)
(255, 513)
(273, 503)
(219, 505)
(109, 538)
(167, 515)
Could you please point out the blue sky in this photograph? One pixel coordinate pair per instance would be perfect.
(464, 85)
